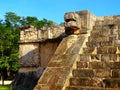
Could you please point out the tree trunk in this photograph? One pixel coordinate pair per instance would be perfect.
(2, 76)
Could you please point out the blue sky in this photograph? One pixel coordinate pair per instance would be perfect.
(54, 9)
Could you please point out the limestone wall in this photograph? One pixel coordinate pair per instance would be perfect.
(29, 55)
(32, 34)
(36, 47)
(47, 50)
(36, 54)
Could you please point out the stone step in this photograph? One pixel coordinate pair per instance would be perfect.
(86, 82)
(104, 65)
(96, 73)
(104, 27)
(111, 83)
(98, 65)
(104, 30)
(106, 50)
(95, 82)
(83, 73)
(110, 57)
(96, 33)
(99, 44)
(101, 38)
(84, 88)
(100, 57)
(101, 50)
(89, 88)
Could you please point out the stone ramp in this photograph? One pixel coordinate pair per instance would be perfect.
(60, 66)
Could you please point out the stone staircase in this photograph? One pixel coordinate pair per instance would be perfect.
(99, 65)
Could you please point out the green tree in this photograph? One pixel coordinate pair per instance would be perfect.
(9, 36)
(45, 23)
(12, 19)
(31, 20)
(8, 49)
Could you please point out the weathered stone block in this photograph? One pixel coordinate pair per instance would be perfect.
(99, 22)
(108, 20)
(82, 64)
(109, 57)
(115, 30)
(102, 50)
(92, 44)
(88, 50)
(106, 50)
(84, 88)
(106, 43)
(117, 43)
(111, 89)
(111, 83)
(83, 73)
(100, 33)
(97, 28)
(114, 65)
(117, 19)
(102, 73)
(97, 65)
(86, 82)
(84, 57)
(112, 50)
(113, 37)
(95, 57)
(116, 73)
(98, 39)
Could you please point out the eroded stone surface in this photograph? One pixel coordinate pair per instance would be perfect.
(60, 65)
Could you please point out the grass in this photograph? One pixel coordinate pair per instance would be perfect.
(5, 87)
